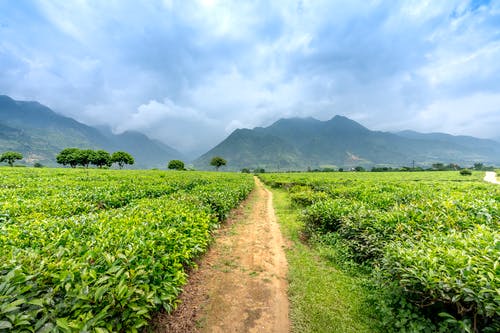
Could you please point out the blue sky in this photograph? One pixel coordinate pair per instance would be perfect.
(190, 72)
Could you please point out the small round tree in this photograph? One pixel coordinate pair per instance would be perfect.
(176, 165)
(68, 156)
(217, 162)
(10, 157)
(84, 157)
(122, 158)
(101, 158)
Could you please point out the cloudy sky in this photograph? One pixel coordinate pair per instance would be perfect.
(190, 72)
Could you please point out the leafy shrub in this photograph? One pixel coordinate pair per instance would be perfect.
(307, 198)
(465, 172)
(431, 239)
(66, 266)
(458, 272)
(328, 215)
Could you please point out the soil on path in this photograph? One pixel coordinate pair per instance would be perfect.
(241, 283)
(491, 177)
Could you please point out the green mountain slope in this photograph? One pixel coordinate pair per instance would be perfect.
(298, 144)
(39, 134)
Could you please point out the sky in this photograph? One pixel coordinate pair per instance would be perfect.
(190, 72)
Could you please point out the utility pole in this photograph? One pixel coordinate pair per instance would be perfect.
(413, 165)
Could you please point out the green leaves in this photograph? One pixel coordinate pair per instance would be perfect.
(91, 250)
(435, 237)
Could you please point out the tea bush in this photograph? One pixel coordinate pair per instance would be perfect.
(432, 240)
(101, 250)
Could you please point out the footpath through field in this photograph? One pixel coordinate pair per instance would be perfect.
(241, 283)
(491, 177)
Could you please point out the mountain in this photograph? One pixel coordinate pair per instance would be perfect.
(301, 143)
(39, 134)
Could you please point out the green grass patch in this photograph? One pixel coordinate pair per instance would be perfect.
(324, 297)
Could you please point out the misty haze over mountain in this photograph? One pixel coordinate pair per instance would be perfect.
(288, 144)
(188, 73)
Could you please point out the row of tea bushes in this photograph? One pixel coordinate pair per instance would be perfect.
(108, 270)
(435, 236)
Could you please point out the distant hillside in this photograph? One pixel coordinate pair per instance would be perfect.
(39, 134)
(298, 144)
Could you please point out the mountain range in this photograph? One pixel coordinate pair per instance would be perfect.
(289, 144)
(302, 143)
(40, 134)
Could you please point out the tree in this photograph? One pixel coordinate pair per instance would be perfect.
(101, 158)
(478, 166)
(122, 158)
(217, 162)
(10, 157)
(438, 166)
(84, 157)
(176, 165)
(68, 156)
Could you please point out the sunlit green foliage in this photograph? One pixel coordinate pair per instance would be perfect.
(100, 250)
(432, 241)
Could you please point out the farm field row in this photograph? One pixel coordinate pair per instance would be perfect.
(430, 242)
(101, 250)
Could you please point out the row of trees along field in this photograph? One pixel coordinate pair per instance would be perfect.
(100, 158)
(84, 157)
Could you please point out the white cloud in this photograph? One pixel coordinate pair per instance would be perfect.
(477, 115)
(188, 72)
(150, 114)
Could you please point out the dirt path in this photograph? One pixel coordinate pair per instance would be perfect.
(241, 284)
(491, 177)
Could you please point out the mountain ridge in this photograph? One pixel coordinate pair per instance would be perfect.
(40, 133)
(342, 142)
(287, 144)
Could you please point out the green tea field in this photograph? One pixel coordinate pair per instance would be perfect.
(85, 250)
(88, 250)
(428, 243)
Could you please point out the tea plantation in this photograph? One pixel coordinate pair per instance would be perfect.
(429, 240)
(86, 250)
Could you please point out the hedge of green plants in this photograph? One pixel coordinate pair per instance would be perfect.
(101, 250)
(431, 240)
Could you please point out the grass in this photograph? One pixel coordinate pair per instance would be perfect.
(323, 297)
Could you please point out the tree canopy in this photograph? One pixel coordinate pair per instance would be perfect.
(176, 165)
(10, 157)
(217, 162)
(100, 158)
(68, 156)
(122, 158)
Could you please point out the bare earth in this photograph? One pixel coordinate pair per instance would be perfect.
(241, 283)
(491, 177)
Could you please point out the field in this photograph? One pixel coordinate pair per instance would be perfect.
(429, 242)
(101, 250)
